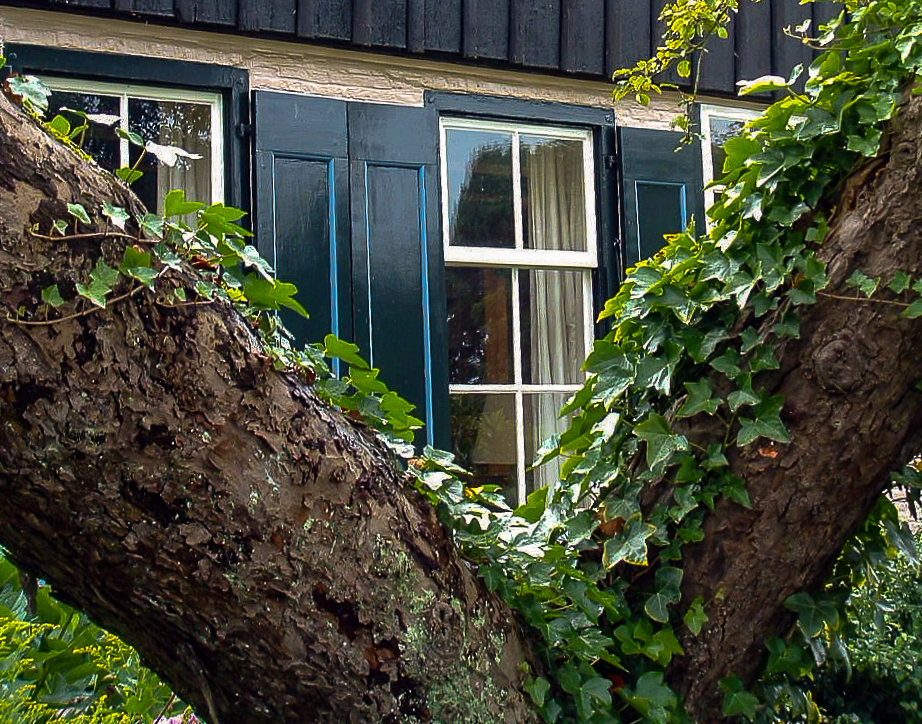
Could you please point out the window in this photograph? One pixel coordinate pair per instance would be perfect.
(519, 233)
(718, 124)
(190, 120)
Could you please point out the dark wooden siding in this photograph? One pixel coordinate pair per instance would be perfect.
(590, 38)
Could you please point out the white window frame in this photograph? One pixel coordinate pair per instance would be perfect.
(729, 113)
(124, 91)
(521, 258)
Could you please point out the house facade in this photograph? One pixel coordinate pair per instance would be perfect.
(448, 183)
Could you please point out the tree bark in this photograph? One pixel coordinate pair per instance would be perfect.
(260, 550)
(265, 556)
(854, 415)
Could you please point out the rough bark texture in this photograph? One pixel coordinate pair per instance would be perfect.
(264, 555)
(260, 550)
(853, 413)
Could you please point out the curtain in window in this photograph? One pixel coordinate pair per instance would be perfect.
(554, 342)
(186, 126)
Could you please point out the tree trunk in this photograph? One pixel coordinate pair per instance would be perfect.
(260, 550)
(854, 415)
(264, 555)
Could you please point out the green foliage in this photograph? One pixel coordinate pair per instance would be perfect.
(55, 665)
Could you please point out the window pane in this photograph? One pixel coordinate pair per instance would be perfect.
(99, 140)
(479, 325)
(553, 193)
(553, 326)
(480, 201)
(660, 210)
(168, 123)
(541, 422)
(483, 438)
(721, 130)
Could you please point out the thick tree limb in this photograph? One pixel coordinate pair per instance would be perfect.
(260, 550)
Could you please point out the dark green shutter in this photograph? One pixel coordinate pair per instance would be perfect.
(662, 189)
(302, 206)
(347, 209)
(398, 300)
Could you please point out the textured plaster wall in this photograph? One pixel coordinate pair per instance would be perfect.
(301, 68)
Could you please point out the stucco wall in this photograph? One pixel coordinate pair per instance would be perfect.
(301, 68)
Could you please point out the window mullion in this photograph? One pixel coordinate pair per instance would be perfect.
(517, 378)
(517, 192)
(123, 148)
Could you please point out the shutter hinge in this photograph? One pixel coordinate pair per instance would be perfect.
(243, 129)
(610, 161)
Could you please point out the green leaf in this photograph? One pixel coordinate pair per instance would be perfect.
(537, 689)
(104, 274)
(130, 136)
(662, 444)
(32, 89)
(813, 616)
(695, 617)
(734, 488)
(51, 295)
(59, 226)
(136, 264)
(264, 294)
(59, 126)
(900, 283)
(78, 211)
(630, 545)
(762, 84)
(116, 214)
(913, 310)
(767, 423)
(737, 701)
(337, 348)
(699, 400)
(96, 292)
(593, 694)
(667, 592)
(683, 68)
(728, 363)
(533, 507)
(652, 698)
(175, 204)
(865, 284)
(151, 225)
(127, 174)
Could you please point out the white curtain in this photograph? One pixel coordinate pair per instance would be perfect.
(186, 126)
(557, 220)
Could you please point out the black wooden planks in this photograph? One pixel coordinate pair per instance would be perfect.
(206, 12)
(325, 19)
(535, 33)
(443, 25)
(753, 40)
(582, 36)
(380, 23)
(268, 15)
(718, 63)
(485, 29)
(628, 33)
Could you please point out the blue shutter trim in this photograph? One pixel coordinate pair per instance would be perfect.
(662, 189)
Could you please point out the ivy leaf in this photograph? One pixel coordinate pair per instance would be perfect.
(913, 310)
(594, 693)
(130, 136)
(699, 400)
(117, 215)
(136, 264)
(51, 295)
(652, 698)
(59, 226)
(337, 348)
(734, 488)
(668, 591)
(151, 225)
(264, 294)
(630, 545)
(767, 422)
(717, 265)
(127, 174)
(695, 617)
(78, 211)
(737, 701)
(762, 84)
(533, 507)
(537, 688)
(59, 126)
(865, 284)
(96, 292)
(175, 204)
(728, 363)
(104, 274)
(662, 444)
(812, 616)
(900, 283)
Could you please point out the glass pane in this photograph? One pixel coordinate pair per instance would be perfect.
(553, 193)
(721, 130)
(660, 210)
(99, 140)
(553, 326)
(541, 421)
(483, 438)
(479, 325)
(480, 204)
(168, 123)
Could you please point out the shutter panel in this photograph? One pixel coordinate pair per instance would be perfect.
(662, 189)
(302, 206)
(398, 301)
